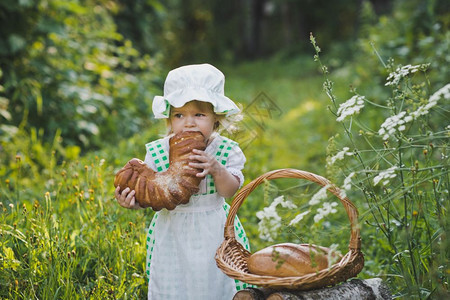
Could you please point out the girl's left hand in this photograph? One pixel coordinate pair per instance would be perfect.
(206, 162)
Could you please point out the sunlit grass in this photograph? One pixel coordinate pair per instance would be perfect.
(70, 240)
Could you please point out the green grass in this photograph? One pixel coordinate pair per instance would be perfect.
(67, 238)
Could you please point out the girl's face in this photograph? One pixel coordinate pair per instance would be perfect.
(193, 116)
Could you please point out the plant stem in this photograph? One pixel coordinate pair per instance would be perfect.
(405, 216)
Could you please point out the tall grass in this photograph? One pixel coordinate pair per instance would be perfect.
(62, 236)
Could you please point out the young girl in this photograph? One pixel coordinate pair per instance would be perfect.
(181, 243)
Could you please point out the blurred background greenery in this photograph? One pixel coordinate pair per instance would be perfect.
(77, 78)
(79, 69)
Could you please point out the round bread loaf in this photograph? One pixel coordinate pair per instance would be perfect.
(288, 259)
(169, 188)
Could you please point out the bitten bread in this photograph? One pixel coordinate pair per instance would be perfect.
(288, 259)
(169, 188)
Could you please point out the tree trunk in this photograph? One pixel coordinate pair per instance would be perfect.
(369, 289)
(253, 40)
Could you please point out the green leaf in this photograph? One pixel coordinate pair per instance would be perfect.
(16, 42)
(11, 261)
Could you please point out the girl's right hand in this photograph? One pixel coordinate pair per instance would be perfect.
(126, 198)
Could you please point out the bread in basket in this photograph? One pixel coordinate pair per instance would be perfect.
(233, 259)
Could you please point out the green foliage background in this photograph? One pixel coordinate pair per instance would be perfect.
(76, 82)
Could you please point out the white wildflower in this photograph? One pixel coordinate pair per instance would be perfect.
(317, 218)
(333, 254)
(270, 221)
(325, 210)
(320, 195)
(350, 107)
(284, 203)
(394, 123)
(268, 213)
(395, 77)
(398, 122)
(298, 217)
(268, 229)
(347, 184)
(443, 92)
(340, 155)
(385, 176)
(348, 181)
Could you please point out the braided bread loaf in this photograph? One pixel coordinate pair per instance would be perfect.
(169, 188)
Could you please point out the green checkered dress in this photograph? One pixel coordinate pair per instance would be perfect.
(205, 214)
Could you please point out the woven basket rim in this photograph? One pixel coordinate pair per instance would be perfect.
(353, 259)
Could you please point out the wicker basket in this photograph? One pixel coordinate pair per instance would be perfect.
(231, 257)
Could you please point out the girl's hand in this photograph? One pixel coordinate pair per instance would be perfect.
(226, 183)
(206, 162)
(126, 198)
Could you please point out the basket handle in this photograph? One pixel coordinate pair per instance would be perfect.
(350, 208)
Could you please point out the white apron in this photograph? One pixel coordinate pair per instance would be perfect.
(181, 244)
